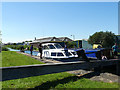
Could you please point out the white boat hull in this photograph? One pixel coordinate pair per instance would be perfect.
(58, 53)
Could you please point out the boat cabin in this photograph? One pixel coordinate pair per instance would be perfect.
(56, 51)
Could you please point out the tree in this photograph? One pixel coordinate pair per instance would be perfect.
(14, 43)
(70, 44)
(106, 39)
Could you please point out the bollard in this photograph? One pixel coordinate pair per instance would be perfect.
(98, 55)
(118, 68)
(81, 53)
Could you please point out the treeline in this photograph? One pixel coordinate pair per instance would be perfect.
(18, 47)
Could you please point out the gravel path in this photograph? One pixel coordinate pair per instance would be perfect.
(107, 77)
(96, 76)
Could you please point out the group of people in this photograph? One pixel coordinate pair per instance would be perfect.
(39, 48)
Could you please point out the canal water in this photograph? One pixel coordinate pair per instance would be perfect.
(34, 52)
(27, 51)
(13, 49)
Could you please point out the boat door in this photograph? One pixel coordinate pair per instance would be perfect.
(46, 52)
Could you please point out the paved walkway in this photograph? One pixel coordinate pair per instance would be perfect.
(42, 60)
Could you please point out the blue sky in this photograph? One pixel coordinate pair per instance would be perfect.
(26, 20)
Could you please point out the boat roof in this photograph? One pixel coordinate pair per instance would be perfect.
(49, 43)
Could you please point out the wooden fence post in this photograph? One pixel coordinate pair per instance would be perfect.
(118, 68)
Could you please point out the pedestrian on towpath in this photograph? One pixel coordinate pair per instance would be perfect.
(31, 49)
(66, 50)
(115, 49)
(22, 49)
(40, 50)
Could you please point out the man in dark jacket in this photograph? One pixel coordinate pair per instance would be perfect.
(40, 50)
(31, 49)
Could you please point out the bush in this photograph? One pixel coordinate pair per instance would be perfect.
(5, 48)
(106, 39)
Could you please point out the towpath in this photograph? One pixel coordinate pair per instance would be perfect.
(42, 60)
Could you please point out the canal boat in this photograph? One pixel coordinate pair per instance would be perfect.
(56, 51)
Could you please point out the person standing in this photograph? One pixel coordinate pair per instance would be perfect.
(22, 49)
(31, 49)
(40, 50)
(115, 49)
(66, 50)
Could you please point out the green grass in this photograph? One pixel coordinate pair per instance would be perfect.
(0, 59)
(11, 58)
(49, 81)
(32, 82)
(58, 80)
(86, 83)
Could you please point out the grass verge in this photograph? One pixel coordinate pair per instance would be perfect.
(11, 58)
(58, 80)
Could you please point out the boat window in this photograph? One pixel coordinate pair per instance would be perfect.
(60, 54)
(58, 46)
(69, 53)
(51, 46)
(73, 53)
(45, 47)
(53, 54)
(66, 53)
